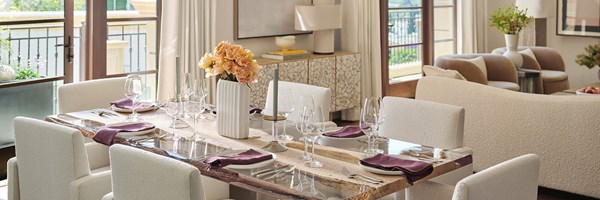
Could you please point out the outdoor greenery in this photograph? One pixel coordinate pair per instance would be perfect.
(26, 73)
(591, 57)
(58, 5)
(4, 43)
(510, 19)
(404, 55)
(404, 3)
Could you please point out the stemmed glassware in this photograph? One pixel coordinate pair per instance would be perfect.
(315, 124)
(133, 90)
(173, 109)
(307, 128)
(188, 91)
(194, 108)
(370, 119)
(284, 108)
(306, 102)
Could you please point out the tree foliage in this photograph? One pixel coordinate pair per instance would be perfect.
(44, 5)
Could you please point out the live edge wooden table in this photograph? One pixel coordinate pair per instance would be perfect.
(303, 183)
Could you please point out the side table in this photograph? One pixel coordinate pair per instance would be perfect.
(526, 77)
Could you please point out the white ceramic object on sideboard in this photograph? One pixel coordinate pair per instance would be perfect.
(512, 42)
(7, 73)
(233, 101)
(285, 42)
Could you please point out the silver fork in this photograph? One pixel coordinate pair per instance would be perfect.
(349, 174)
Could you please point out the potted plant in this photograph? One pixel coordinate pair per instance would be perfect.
(235, 67)
(510, 20)
(590, 58)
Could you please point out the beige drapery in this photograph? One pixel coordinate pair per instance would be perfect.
(361, 33)
(185, 32)
(467, 26)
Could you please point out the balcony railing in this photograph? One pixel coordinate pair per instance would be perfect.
(38, 47)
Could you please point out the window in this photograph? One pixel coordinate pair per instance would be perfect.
(417, 32)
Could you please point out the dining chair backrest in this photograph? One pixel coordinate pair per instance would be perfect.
(513, 179)
(49, 157)
(423, 122)
(138, 174)
(321, 97)
(90, 94)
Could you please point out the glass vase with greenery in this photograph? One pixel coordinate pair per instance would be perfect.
(510, 19)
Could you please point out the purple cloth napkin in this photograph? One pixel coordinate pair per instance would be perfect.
(126, 103)
(245, 158)
(346, 132)
(107, 134)
(413, 169)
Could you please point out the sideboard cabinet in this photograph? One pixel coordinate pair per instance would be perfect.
(339, 72)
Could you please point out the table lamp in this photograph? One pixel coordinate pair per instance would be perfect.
(322, 18)
(540, 10)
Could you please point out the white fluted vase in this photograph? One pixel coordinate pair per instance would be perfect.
(512, 52)
(233, 101)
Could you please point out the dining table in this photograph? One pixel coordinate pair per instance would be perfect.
(303, 182)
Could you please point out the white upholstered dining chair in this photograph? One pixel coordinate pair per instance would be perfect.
(321, 97)
(90, 94)
(515, 179)
(139, 174)
(426, 123)
(52, 162)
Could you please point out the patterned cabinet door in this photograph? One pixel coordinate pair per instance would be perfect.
(347, 78)
(258, 92)
(296, 71)
(321, 72)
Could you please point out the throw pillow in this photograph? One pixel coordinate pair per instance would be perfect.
(480, 63)
(528, 52)
(446, 73)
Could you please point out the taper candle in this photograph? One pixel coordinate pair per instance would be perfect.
(275, 91)
(177, 73)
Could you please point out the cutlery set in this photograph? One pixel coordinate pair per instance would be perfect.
(274, 172)
(351, 175)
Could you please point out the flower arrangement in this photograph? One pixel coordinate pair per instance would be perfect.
(510, 20)
(231, 62)
(590, 58)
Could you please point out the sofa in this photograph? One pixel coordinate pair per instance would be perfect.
(501, 124)
(501, 72)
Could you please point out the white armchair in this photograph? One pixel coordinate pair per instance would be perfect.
(90, 94)
(513, 179)
(321, 96)
(138, 174)
(53, 163)
(427, 123)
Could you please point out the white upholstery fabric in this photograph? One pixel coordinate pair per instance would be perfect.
(436, 71)
(554, 76)
(505, 85)
(52, 163)
(138, 174)
(90, 94)
(423, 122)
(529, 53)
(321, 96)
(515, 179)
(501, 124)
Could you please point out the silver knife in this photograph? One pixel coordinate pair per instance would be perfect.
(268, 170)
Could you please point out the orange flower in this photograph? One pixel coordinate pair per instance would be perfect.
(230, 59)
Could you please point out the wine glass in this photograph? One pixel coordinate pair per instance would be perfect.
(284, 108)
(307, 128)
(194, 108)
(173, 109)
(305, 102)
(133, 90)
(188, 91)
(369, 122)
(317, 127)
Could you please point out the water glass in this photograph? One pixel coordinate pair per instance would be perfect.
(133, 90)
(370, 119)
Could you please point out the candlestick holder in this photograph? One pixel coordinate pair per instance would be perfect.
(274, 146)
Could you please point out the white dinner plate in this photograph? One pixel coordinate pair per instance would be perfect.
(130, 134)
(127, 110)
(380, 171)
(250, 166)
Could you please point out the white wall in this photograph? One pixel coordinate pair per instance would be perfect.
(568, 46)
(224, 30)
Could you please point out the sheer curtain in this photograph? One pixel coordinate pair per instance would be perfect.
(361, 33)
(185, 33)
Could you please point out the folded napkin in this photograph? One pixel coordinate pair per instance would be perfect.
(126, 103)
(346, 132)
(107, 134)
(413, 169)
(245, 158)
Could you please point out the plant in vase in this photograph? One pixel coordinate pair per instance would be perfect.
(235, 68)
(510, 20)
(590, 58)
